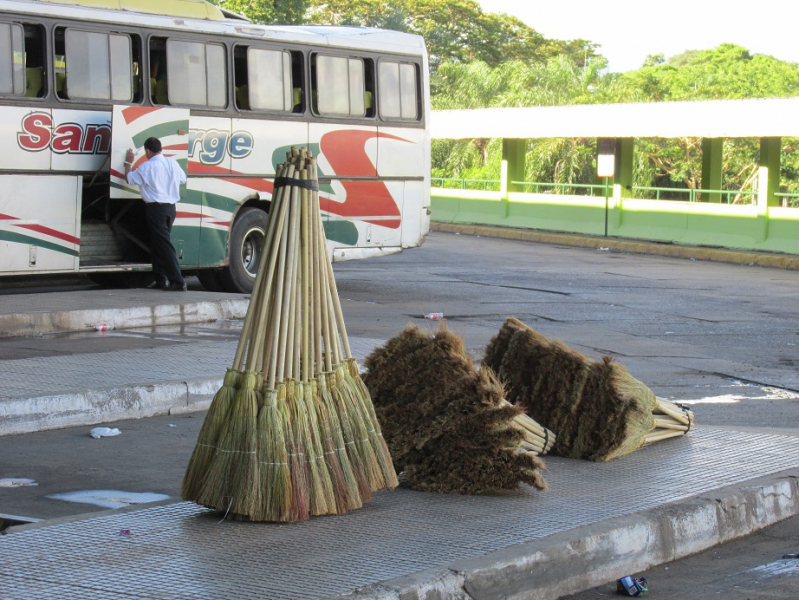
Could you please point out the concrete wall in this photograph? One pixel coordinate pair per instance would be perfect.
(749, 227)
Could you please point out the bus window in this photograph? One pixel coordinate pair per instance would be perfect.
(22, 60)
(12, 64)
(398, 90)
(84, 61)
(342, 86)
(265, 79)
(196, 73)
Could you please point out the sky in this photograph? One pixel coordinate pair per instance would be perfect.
(630, 30)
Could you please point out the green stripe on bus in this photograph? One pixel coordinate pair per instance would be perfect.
(161, 130)
(218, 202)
(18, 238)
(343, 232)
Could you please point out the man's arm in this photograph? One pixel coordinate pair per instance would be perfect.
(129, 156)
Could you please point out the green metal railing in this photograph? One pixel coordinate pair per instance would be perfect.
(560, 188)
(791, 200)
(580, 189)
(693, 195)
(465, 184)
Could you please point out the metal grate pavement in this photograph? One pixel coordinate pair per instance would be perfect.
(185, 551)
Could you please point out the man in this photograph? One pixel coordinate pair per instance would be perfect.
(159, 180)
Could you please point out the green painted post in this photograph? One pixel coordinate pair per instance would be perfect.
(768, 182)
(769, 175)
(514, 152)
(712, 155)
(624, 165)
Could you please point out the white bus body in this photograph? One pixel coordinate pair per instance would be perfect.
(227, 99)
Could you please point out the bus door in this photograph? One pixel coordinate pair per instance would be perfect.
(131, 126)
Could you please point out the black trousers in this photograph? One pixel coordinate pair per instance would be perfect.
(165, 260)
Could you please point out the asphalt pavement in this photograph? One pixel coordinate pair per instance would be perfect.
(153, 374)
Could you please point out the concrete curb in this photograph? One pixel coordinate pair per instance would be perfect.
(104, 405)
(584, 557)
(738, 257)
(137, 316)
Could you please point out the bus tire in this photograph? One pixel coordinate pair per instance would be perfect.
(246, 248)
(211, 280)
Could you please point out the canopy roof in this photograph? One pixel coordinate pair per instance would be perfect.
(769, 117)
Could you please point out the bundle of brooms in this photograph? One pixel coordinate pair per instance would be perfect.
(292, 432)
(597, 409)
(447, 424)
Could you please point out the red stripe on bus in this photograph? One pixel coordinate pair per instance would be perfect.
(254, 183)
(363, 197)
(187, 215)
(53, 233)
(7, 217)
(132, 113)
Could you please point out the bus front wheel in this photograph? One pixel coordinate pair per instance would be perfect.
(246, 249)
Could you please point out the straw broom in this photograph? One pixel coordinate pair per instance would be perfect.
(217, 416)
(294, 440)
(597, 408)
(447, 424)
(350, 387)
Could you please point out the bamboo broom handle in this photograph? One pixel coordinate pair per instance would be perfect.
(253, 306)
(524, 453)
(342, 328)
(526, 446)
(332, 343)
(317, 294)
(270, 256)
(306, 284)
(530, 425)
(336, 332)
(656, 437)
(524, 426)
(323, 301)
(669, 424)
(286, 342)
(277, 313)
(672, 410)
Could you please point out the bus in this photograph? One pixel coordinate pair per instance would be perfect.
(80, 84)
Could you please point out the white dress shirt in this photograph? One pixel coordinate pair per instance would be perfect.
(159, 179)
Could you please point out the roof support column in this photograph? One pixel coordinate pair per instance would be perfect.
(712, 155)
(768, 177)
(514, 153)
(624, 166)
(768, 180)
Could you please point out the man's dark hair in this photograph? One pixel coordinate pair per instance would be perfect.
(153, 144)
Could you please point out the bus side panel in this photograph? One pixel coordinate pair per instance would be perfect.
(259, 146)
(39, 225)
(361, 210)
(405, 152)
(81, 140)
(25, 136)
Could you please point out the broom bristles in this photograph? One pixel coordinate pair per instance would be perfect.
(273, 456)
(209, 436)
(597, 408)
(233, 473)
(346, 441)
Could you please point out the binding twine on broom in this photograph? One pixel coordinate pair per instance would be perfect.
(292, 432)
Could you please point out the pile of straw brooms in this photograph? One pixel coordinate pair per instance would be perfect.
(292, 432)
(454, 428)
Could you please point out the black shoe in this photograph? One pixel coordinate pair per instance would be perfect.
(157, 285)
(175, 287)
